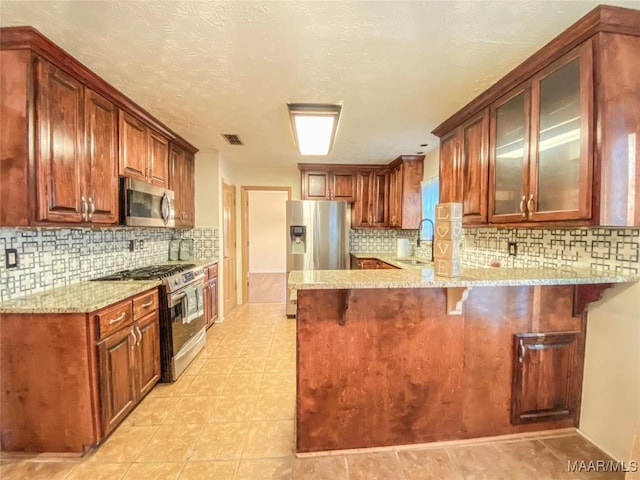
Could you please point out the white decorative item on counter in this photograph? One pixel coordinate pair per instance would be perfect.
(402, 247)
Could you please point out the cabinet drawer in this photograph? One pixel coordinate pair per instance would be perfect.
(212, 271)
(144, 304)
(113, 318)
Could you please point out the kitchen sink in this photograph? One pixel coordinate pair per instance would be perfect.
(412, 262)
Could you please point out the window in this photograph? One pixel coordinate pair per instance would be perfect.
(430, 196)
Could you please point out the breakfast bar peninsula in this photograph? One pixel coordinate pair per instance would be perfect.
(393, 357)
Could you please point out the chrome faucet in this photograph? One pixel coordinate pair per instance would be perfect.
(433, 231)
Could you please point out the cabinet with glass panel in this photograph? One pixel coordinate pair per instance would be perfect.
(541, 158)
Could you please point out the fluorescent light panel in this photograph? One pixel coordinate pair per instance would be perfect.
(314, 126)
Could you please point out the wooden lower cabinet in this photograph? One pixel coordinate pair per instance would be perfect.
(129, 363)
(396, 368)
(117, 377)
(147, 367)
(211, 294)
(369, 264)
(84, 372)
(545, 376)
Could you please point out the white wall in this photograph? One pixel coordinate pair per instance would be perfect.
(431, 163)
(610, 414)
(267, 227)
(207, 193)
(255, 176)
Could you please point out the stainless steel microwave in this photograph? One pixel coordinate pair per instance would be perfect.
(145, 205)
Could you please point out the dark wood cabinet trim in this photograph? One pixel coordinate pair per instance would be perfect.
(601, 19)
(28, 38)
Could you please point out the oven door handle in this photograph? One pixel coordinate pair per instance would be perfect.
(176, 299)
(191, 342)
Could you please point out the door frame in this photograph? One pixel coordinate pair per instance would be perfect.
(245, 231)
(233, 267)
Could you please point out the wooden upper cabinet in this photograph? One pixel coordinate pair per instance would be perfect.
(564, 132)
(158, 172)
(405, 191)
(370, 209)
(134, 147)
(449, 169)
(325, 183)
(561, 153)
(59, 146)
(509, 160)
(542, 158)
(315, 186)
(182, 182)
(67, 135)
(101, 124)
(189, 186)
(144, 153)
(546, 384)
(342, 186)
(473, 162)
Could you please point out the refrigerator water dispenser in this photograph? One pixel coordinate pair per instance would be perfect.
(298, 235)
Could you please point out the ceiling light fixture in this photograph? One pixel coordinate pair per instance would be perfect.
(314, 126)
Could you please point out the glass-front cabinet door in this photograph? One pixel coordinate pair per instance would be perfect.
(509, 160)
(560, 172)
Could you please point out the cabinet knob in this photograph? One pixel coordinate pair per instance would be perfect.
(524, 198)
(84, 208)
(92, 207)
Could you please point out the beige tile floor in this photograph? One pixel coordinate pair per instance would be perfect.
(230, 416)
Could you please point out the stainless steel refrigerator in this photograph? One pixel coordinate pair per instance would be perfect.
(317, 238)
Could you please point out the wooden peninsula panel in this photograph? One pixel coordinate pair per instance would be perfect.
(390, 367)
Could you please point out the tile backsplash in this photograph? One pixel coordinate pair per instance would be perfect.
(51, 257)
(611, 249)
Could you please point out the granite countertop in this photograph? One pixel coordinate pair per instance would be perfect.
(422, 276)
(83, 297)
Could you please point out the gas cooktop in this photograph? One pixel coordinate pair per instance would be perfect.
(154, 272)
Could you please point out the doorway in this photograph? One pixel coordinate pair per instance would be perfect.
(264, 261)
(229, 263)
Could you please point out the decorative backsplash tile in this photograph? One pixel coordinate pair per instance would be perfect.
(610, 249)
(380, 240)
(51, 257)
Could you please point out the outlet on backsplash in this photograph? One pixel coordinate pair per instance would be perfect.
(512, 248)
(136, 245)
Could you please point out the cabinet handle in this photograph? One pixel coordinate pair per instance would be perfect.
(147, 305)
(92, 207)
(135, 341)
(522, 351)
(84, 208)
(530, 205)
(140, 334)
(117, 319)
(524, 198)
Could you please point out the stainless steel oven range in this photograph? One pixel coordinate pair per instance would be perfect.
(182, 322)
(182, 326)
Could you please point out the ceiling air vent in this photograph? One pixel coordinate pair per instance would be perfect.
(232, 139)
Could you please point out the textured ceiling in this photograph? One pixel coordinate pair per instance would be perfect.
(206, 68)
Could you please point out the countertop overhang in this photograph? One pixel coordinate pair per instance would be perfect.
(423, 277)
